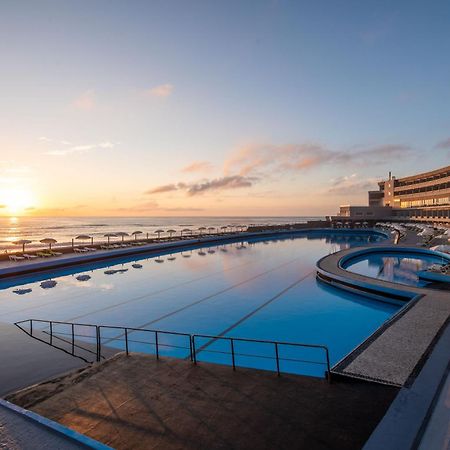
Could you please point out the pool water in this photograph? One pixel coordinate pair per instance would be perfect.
(394, 267)
(259, 289)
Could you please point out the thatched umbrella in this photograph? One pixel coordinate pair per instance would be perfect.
(49, 241)
(171, 232)
(201, 229)
(186, 230)
(83, 237)
(122, 234)
(210, 229)
(22, 242)
(110, 235)
(135, 234)
(158, 232)
(224, 228)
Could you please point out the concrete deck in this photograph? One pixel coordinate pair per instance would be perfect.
(390, 356)
(137, 402)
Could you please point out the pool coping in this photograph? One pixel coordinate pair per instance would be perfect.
(54, 427)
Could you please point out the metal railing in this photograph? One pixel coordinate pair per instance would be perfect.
(75, 341)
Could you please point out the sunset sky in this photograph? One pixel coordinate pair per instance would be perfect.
(217, 107)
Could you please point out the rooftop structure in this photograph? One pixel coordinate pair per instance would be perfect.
(422, 197)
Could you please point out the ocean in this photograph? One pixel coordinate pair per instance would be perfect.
(63, 229)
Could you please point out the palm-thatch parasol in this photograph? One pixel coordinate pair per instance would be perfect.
(110, 235)
(22, 242)
(48, 241)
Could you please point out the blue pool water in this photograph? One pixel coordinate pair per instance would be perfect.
(259, 289)
(394, 267)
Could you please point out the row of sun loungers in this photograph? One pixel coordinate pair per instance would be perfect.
(29, 256)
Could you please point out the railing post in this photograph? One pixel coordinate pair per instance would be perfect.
(328, 365)
(190, 348)
(232, 353)
(126, 341)
(31, 327)
(51, 333)
(73, 339)
(156, 344)
(277, 358)
(193, 349)
(99, 343)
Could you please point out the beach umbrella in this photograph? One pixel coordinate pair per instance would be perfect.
(224, 228)
(158, 232)
(211, 229)
(135, 234)
(110, 235)
(84, 237)
(202, 229)
(186, 230)
(171, 232)
(49, 241)
(22, 242)
(122, 234)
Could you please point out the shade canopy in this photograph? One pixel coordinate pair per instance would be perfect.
(83, 237)
(134, 233)
(22, 242)
(48, 241)
(110, 235)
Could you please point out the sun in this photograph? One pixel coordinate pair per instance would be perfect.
(16, 200)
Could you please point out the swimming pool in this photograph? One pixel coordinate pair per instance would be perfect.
(259, 289)
(394, 267)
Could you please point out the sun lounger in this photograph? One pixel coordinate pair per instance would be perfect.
(79, 250)
(16, 258)
(44, 254)
(28, 256)
(90, 249)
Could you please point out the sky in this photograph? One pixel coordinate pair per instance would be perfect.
(163, 108)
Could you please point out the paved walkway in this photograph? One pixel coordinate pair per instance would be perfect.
(138, 402)
(20, 433)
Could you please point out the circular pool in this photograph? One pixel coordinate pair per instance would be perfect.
(396, 266)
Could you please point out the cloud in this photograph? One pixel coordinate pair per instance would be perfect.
(86, 101)
(350, 184)
(163, 90)
(163, 188)
(197, 166)
(80, 148)
(271, 158)
(445, 144)
(218, 184)
(229, 182)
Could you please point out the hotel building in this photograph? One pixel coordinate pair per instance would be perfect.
(422, 197)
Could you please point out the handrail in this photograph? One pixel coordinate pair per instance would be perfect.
(193, 349)
(276, 345)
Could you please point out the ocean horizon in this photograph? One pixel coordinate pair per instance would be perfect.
(64, 229)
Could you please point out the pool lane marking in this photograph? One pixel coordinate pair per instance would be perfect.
(141, 297)
(148, 294)
(252, 313)
(209, 297)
